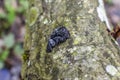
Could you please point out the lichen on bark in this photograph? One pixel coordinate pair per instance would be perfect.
(89, 54)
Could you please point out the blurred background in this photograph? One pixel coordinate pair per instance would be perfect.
(12, 31)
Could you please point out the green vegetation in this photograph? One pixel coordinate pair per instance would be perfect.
(8, 13)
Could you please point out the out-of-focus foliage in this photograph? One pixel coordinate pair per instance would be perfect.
(10, 16)
(11, 8)
(3, 56)
(108, 1)
(11, 21)
(24, 5)
(9, 40)
(18, 49)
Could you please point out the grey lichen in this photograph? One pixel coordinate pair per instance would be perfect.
(110, 69)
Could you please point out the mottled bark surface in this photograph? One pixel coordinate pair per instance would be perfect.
(89, 54)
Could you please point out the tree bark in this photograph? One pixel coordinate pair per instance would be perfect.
(89, 54)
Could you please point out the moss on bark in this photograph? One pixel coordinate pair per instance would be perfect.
(87, 55)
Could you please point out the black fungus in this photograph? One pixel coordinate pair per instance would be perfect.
(59, 35)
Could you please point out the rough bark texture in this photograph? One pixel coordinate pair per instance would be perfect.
(89, 54)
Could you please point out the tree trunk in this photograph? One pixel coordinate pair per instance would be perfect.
(89, 54)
